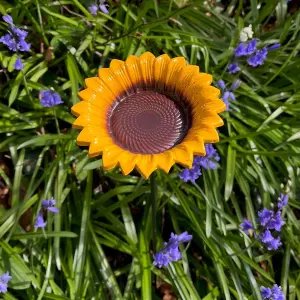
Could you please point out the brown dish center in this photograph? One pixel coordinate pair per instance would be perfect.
(147, 123)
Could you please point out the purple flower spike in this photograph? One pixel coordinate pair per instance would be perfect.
(171, 252)
(18, 64)
(233, 68)
(273, 47)
(8, 19)
(283, 201)
(247, 226)
(93, 9)
(49, 98)
(40, 223)
(50, 205)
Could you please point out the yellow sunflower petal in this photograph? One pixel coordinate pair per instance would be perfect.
(208, 117)
(119, 70)
(132, 69)
(107, 77)
(205, 133)
(93, 83)
(127, 162)
(110, 157)
(85, 137)
(146, 62)
(87, 94)
(196, 147)
(95, 149)
(185, 77)
(181, 156)
(146, 164)
(175, 66)
(160, 71)
(86, 108)
(89, 120)
(165, 161)
(215, 105)
(79, 108)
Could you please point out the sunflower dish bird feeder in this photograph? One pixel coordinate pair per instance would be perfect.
(148, 113)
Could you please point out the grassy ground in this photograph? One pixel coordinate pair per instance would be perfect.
(99, 245)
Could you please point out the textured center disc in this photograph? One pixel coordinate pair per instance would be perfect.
(147, 123)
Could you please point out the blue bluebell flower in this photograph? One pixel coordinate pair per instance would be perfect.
(233, 68)
(40, 222)
(269, 220)
(270, 242)
(8, 19)
(275, 46)
(264, 216)
(265, 292)
(18, 64)
(221, 84)
(103, 7)
(49, 98)
(191, 174)
(209, 161)
(251, 46)
(46, 205)
(247, 226)
(171, 251)
(228, 94)
(50, 205)
(258, 58)
(15, 39)
(4, 279)
(276, 222)
(240, 50)
(282, 201)
(181, 238)
(93, 9)
(9, 41)
(275, 293)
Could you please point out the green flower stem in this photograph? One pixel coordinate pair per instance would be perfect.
(153, 187)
